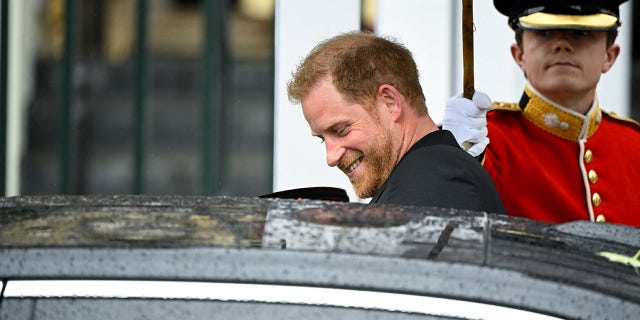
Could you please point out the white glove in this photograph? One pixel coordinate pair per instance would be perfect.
(467, 120)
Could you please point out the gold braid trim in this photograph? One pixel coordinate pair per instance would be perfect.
(621, 118)
(508, 106)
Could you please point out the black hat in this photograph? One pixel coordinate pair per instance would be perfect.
(561, 14)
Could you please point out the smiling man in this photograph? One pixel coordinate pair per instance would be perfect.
(556, 155)
(361, 95)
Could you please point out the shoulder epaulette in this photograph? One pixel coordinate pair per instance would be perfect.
(621, 118)
(509, 106)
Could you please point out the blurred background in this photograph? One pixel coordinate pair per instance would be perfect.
(151, 96)
(127, 107)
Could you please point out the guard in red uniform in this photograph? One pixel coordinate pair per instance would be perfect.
(556, 155)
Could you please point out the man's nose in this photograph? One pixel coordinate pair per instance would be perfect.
(334, 152)
(561, 42)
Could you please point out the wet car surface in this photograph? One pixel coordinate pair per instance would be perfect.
(190, 257)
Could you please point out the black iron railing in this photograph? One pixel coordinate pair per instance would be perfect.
(214, 61)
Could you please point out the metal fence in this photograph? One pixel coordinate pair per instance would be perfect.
(214, 71)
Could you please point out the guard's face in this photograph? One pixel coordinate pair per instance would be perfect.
(356, 141)
(564, 63)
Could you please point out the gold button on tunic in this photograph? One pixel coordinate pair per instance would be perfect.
(595, 199)
(588, 156)
(593, 176)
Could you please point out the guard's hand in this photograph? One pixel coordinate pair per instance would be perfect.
(467, 120)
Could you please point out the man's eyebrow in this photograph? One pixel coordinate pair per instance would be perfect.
(338, 124)
(335, 126)
(315, 134)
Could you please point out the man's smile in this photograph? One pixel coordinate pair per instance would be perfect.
(348, 170)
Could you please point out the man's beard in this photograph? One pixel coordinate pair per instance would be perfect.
(378, 163)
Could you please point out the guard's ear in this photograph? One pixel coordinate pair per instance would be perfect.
(518, 56)
(610, 57)
(391, 100)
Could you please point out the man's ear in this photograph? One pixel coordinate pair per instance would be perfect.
(391, 100)
(517, 54)
(610, 57)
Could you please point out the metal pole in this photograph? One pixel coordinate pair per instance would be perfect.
(4, 86)
(467, 48)
(67, 152)
(213, 90)
(140, 125)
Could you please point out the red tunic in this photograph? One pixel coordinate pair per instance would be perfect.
(552, 164)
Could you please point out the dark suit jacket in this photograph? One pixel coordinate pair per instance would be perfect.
(437, 172)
